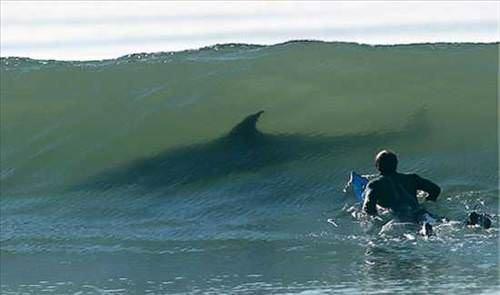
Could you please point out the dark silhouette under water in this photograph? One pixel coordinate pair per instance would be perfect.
(243, 149)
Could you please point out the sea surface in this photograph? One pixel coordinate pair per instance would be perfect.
(154, 173)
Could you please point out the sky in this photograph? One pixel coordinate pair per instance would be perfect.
(89, 30)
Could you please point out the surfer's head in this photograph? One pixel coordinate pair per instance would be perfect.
(386, 162)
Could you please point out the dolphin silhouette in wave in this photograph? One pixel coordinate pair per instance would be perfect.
(243, 149)
(247, 128)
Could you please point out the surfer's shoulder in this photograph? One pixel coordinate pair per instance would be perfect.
(407, 175)
(413, 176)
(375, 182)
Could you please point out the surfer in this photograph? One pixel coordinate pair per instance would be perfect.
(398, 192)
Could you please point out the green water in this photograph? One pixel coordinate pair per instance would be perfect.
(118, 176)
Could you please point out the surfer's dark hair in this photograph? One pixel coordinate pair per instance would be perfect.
(386, 162)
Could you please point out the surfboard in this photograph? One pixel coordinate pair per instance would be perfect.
(358, 183)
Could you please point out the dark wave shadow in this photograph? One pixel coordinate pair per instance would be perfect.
(243, 149)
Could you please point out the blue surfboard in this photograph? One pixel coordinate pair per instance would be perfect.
(358, 183)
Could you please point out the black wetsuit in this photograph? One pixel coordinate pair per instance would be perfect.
(398, 192)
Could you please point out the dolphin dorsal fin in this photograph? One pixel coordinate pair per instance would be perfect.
(247, 127)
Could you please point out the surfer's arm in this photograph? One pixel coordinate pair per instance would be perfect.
(370, 203)
(429, 187)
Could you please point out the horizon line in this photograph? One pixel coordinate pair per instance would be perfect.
(257, 45)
